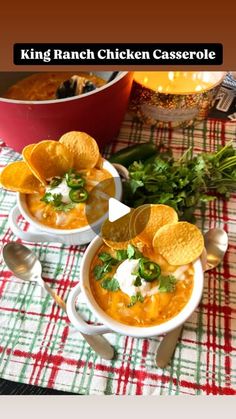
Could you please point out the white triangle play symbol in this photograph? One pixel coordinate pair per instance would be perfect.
(117, 209)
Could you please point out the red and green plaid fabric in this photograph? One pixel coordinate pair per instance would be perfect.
(38, 345)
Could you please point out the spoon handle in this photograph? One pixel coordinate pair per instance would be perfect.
(167, 347)
(98, 343)
(55, 296)
(168, 344)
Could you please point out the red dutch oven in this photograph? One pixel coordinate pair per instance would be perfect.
(99, 113)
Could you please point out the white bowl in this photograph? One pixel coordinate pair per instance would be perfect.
(41, 233)
(111, 325)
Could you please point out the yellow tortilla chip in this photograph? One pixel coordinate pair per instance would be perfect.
(26, 153)
(17, 177)
(84, 149)
(49, 159)
(116, 234)
(147, 219)
(179, 243)
(99, 164)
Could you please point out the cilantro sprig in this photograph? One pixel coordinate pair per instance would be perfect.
(167, 283)
(135, 299)
(100, 271)
(185, 183)
(110, 284)
(56, 201)
(133, 252)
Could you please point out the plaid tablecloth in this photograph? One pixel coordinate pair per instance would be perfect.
(38, 345)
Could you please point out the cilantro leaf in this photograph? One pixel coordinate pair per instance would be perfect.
(107, 267)
(65, 207)
(138, 282)
(47, 197)
(54, 199)
(135, 298)
(98, 272)
(135, 184)
(101, 270)
(132, 252)
(106, 257)
(57, 199)
(121, 255)
(167, 283)
(110, 284)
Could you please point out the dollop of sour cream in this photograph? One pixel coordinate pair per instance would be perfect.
(62, 189)
(126, 275)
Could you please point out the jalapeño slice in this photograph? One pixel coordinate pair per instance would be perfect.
(75, 181)
(149, 270)
(78, 195)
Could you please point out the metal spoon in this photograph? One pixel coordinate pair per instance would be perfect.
(216, 244)
(24, 265)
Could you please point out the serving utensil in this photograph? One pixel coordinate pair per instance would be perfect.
(25, 265)
(216, 244)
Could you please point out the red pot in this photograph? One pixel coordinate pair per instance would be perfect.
(99, 113)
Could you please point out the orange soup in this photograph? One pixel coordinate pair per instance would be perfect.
(43, 86)
(144, 302)
(98, 185)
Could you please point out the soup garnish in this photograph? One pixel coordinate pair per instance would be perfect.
(65, 183)
(64, 192)
(139, 269)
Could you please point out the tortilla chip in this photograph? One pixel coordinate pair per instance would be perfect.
(180, 243)
(99, 164)
(17, 177)
(116, 234)
(147, 219)
(49, 159)
(83, 148)
(26, 153)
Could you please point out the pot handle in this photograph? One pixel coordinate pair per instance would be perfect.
(76, 318)
(34, 237)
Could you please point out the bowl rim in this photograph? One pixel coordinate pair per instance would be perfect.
(136, 331)
(69, 99)
(25, 213)
(191, 93)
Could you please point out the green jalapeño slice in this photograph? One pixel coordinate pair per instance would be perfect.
(78, 195)
(149, 270)
(75, 181)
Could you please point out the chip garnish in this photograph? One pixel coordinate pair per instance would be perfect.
(17, 177)
(147, 219)
(26, 153)
(48, 159)
(83, 148)
(179, 243)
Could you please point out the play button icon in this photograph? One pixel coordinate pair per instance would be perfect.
(104, 205)
(116, 209)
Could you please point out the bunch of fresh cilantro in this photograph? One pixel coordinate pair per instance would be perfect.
(182, 184)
